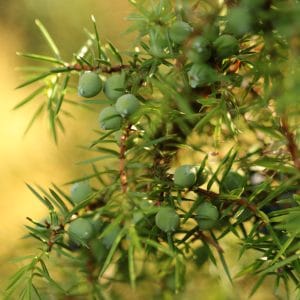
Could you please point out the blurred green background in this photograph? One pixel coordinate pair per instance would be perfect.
(35, 158)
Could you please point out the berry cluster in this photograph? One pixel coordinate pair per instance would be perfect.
(125, 105)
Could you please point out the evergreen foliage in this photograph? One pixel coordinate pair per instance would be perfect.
(209, 90)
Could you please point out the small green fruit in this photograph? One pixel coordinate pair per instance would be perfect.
(114, 86)
(167, 219)
(232, 181)
(226, 45)
(200, 50)
(81, 230)
(80, 191)
(239, 21)
(201, 75)
(110, 119)
(185, 176)
(179, 31)
(89, 84)
(206, 215)
(127, 105)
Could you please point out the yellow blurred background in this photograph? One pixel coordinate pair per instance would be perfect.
(35, 158)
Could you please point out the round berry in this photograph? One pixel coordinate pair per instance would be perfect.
(127, 105)
(232, 181)
(89, 84)
(185, 176)
(114, 86)
(201, 75)
(206, 215)
(226, 45)
(200, 50)
(80, 191)
(239, 21)
(167, 219)
(81, 230)
(110, 119)
(179, 31)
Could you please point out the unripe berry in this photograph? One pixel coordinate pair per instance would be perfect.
(80, 191)
(110, 119)
(206, 215)
(185, 176)
(167, 219)
(239, 21)
(226, 45)
(232, 181)
(201, 75)
(89, 84)
(127, 105)
(179, 31)
(80, 230)
(200, 50)
(114, 86)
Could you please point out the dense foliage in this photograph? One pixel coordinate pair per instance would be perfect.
(198, 141)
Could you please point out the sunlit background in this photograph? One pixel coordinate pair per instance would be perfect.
(35, 158)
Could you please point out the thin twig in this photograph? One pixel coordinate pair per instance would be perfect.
(291, 143)
(123, 174)
(241, 201)
(112, 69)
(209, 240)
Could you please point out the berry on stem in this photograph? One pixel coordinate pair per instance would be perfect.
(80, 191)
(80, 230)
(114, 86)
(226, 45)
(167, 219)
(232, 181)
(109, 119)
(200, 50)
(206, 215)
(201, 75)
(89, 84)
(127, 105)
(185, 176)
(179, 31)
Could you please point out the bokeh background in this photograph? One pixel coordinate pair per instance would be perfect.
(35, 158)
